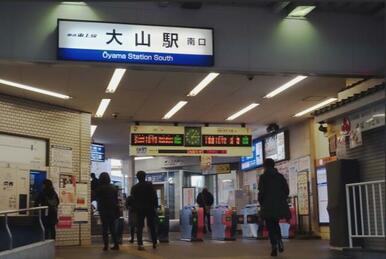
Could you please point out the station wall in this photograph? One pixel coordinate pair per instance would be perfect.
(62, 127)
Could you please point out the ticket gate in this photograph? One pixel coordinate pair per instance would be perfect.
(249, 221)
(192, 223)
(224, 223)
(162, 224)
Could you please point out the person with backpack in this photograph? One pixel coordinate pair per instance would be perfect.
(145, 206)
(205, 200)
(273, 195)
(48, 197)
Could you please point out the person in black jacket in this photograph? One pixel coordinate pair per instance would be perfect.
(94, 186)
(145, 206)
(273, 195)
(130, 208)
(107, 198)
(205, 200)
(48, 197)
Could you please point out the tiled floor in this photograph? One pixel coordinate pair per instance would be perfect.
(243, 249)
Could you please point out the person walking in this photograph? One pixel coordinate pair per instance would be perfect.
(48, 197)
(273, 195)
(130, 208)
(107, 201)
(205, 200)
(145, 206)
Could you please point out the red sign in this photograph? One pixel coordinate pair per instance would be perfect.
(65, 222)
(157, 139)
(226, 140)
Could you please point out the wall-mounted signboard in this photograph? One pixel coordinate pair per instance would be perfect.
(256, 159)
(134, 43)
(189, 141)
(97, 152)
(276, 146)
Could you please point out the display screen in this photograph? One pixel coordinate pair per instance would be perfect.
(275, 146)
(321, 180)
(97, 152)
(157, 139)
(256, 159)
(226, 140)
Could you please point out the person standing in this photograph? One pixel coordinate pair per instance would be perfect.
(107, 198)
(130, 208)
(48, 197)
(145, 206)
(94, 186)
(273, 195)
(205, 200)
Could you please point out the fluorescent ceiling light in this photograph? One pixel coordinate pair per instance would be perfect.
(102, 107)
(143, 157)
(379, 115)
(175, 109)
(209, 78)
(301, 11)
(285, 86)
(93, 128)
(319, 105)
(241, 112)
(115, 79)
(34, 89)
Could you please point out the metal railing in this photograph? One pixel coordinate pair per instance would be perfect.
(365, 211)
(7, 212)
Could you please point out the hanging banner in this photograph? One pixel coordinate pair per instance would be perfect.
(189, 141)
(134, 43)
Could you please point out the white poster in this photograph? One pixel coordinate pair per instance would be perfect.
(8, 189)
(188, 196)
(61, 156)
(67, 188)
(81, 195)
(293, 177)
(356, 137)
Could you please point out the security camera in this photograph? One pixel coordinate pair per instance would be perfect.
(250, 77)
(115, 115)
(273, 127)
(322, 127)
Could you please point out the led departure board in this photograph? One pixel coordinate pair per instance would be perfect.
(157, 139)
(226, 140)
(162, 140)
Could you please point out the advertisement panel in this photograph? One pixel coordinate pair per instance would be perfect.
(189, 141)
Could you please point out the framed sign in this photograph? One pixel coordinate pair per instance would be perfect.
(134, 43)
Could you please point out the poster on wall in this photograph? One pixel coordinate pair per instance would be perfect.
(303, 193)
(67, 187)
(321, 181)
(293, 177)
(81, 195)
(66, 213)
(8, 189)
(189, 196)
(283, 169)
(356, 137)
(61, 156)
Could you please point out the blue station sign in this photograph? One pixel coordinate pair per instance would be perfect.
(134, 43)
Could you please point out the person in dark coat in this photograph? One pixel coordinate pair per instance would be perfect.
(130, 208)
(145, 206)
(107, 198)
(48, 197)
(205, 200)
(94, 186)
(273, 195)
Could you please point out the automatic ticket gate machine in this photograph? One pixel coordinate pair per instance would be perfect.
(224, 223)
(192, 223)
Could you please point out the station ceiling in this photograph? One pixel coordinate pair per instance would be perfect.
(146, 95)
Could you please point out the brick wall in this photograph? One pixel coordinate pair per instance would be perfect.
(62, 127)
